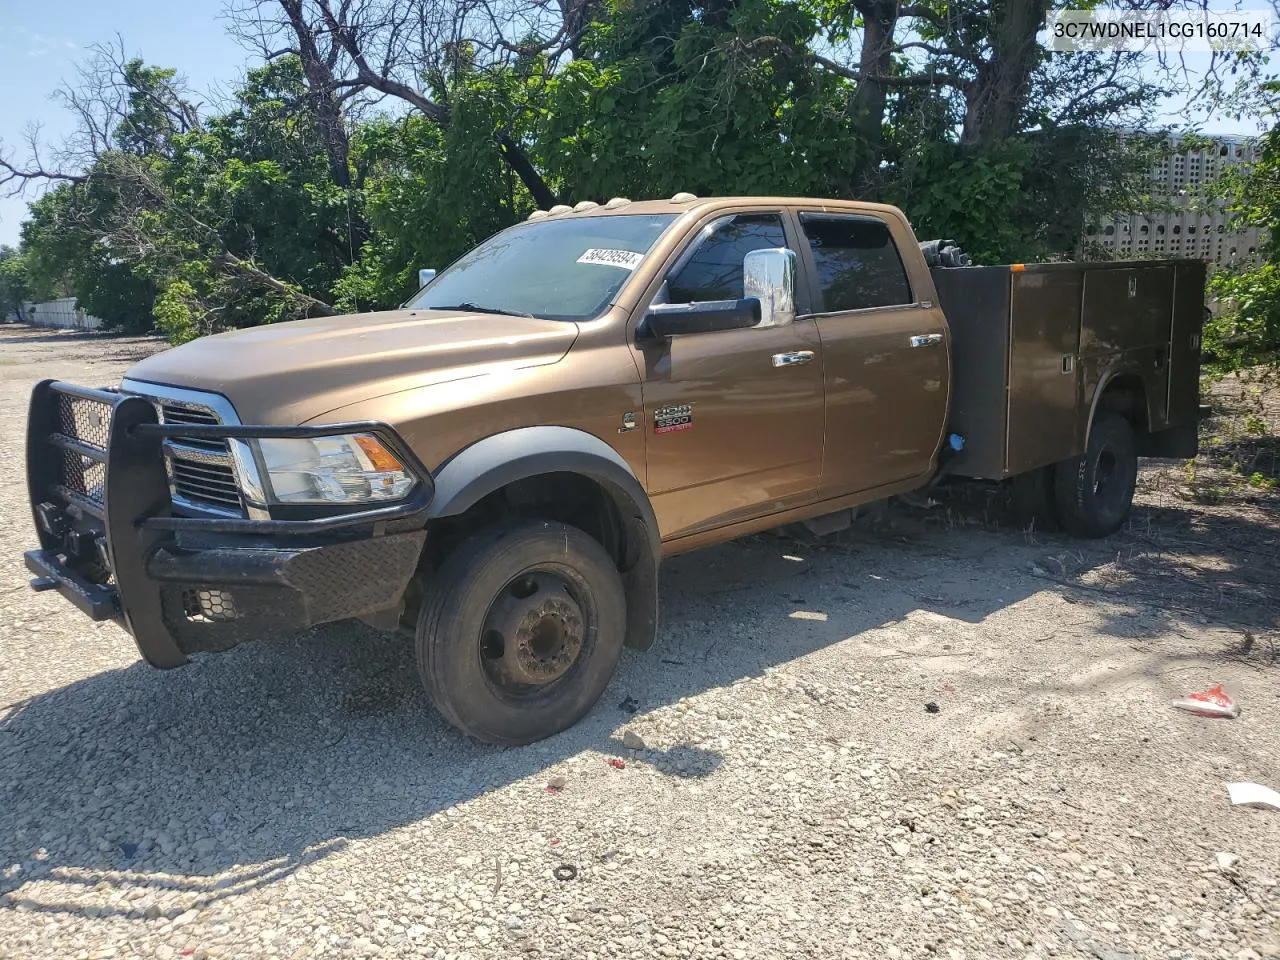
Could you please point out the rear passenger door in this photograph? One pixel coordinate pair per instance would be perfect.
(885, 352)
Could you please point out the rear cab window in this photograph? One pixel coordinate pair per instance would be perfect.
(856, 262)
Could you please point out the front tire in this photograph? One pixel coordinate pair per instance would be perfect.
(1094, 491)
(520, 631)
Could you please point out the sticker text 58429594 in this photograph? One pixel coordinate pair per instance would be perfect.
(626, 259)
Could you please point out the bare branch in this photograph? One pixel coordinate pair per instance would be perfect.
(14, 180)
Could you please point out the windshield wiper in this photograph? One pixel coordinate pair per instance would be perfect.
(477, 308)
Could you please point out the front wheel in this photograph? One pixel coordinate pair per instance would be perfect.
(520, 631)
(1094, 491)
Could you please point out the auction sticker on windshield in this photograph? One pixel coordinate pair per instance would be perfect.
(626, 259)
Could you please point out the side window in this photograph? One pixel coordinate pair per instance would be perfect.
(858, 266)
(713, 271)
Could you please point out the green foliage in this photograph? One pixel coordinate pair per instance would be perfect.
(1027, 199)
(15, 282)
(174, 313)
(668, 103)
(1245, 330)
(64, 257)
(974, 200)
(155, 110)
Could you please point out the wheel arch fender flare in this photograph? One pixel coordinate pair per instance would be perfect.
(488, 465)
(1109, 376)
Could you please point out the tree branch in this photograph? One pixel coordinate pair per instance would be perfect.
(932, 78)
(11, 175)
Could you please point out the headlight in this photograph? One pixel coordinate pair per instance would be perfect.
(355, 468)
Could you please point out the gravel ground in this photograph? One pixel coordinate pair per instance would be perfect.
(795, 794)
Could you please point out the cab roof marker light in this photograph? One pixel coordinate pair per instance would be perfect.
(684, 197)
(537, 215)
(559, 208)
(616, 202)
(585, 205)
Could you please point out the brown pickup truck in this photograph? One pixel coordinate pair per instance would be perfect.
(502, 464)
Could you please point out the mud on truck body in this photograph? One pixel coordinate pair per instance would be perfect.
(501, 465)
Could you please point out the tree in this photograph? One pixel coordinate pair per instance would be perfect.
(15, 285)
(1245, 331)
(413, 51)
(64, 257)
(163, 198)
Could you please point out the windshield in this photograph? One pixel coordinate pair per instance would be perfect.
(556, 269)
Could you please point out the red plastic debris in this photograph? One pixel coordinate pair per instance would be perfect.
(616, 763)
(554, 842)
(1214, 702)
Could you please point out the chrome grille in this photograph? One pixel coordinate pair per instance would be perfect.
(201, 473)
(175, 413)
(200, 482)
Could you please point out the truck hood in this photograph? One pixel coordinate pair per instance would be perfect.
(288, 373)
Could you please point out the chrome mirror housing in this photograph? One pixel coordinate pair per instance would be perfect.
(770, 277)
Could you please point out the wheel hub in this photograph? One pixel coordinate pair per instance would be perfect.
(533, 634)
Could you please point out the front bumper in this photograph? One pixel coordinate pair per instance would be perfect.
(112, 545)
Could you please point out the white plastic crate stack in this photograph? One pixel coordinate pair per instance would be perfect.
(1203, 234)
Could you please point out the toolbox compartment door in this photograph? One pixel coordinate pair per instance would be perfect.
(1129, 310)
(1184, 343)
(1044, 333)
(1015, 384)
(975, 301)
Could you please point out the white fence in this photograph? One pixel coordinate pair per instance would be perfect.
(60, 313)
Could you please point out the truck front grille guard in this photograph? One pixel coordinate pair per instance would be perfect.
(103, 506)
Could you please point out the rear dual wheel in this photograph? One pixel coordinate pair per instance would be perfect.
(1087, 496)
(1093, 492)
(520, 631)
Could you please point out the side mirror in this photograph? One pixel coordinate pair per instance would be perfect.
(425, 276)
(770, 277)
(666, 320)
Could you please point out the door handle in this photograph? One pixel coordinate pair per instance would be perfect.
(792, 359)
(926, 339)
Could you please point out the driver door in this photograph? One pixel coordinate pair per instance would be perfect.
(733, 419)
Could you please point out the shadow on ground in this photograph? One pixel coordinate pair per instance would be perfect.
(1177, 555)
